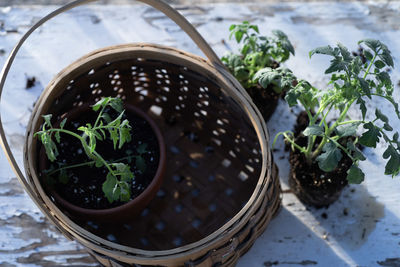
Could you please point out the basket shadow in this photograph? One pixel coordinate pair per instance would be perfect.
(290, 241)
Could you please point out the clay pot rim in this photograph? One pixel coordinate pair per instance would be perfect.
(149, 190)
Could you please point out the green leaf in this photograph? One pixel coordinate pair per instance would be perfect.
(62, 124)
(371, 43)
(101, 103)
(384, 78)
(142, 148)
(47, 119)
(345, 52)
(355, 175)
(387, 57)
(368, 55)
(371, 137)
(106, 117)
(125, 192)
(314, 130)
(357, 154)
(124, 133)
(283, 78)
(57, 136)
(140, 164)
(124, 171)
(363, 107)
(381, 116)
(347, 129)
(387, 127)
(324, 50)
(365, 86)
(116, 104)
(329, 160)
(336, 66)
(238, 36)
(379, 64)
(63, 176)
(393, 165)
(109, 187)
(49, 145)
(396, 137)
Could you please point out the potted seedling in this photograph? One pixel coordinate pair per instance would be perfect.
(257, 52)
(325, 145)
(102, 162)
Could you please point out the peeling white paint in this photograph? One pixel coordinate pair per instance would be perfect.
(297, 235)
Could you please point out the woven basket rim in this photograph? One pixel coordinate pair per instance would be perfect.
(218, 73)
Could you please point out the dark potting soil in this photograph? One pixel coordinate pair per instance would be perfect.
(266, 100)
(84, 186)
(311, 184)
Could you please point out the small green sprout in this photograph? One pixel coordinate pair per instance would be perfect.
(256, 52)
(352, 83)
(119, 176)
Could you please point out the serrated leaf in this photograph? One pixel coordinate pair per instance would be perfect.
(371, 43)
(393, 165)
(140, 164)
(337, 65)
(329, 160)
(387, 57)
(381, 116)
(365, 87)
(314, 130)
(124, 171)
(291, 97)
(355, 175)
(347, 130)
(384, 77)
(363, 107)
(371, 137)
(344, 52)
(109, 186)
(325, 50)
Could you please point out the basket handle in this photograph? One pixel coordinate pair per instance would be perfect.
(157, 4)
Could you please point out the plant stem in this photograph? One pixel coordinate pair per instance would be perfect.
(331, 129)
(293, 143)
(87, 164)
(67, 132)
(370, 65)
(99, 116)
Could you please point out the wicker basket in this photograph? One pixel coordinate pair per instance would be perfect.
(221, 188)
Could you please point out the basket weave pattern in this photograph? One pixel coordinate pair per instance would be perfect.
(213, 154)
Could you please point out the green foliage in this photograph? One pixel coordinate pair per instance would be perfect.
(352, 83)
(119, 176)
(256, 52)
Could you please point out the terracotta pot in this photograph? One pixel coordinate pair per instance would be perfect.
(127, 210)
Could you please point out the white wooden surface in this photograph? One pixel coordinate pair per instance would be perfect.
(361, 229)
